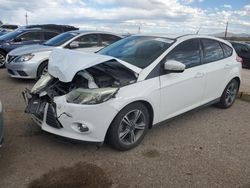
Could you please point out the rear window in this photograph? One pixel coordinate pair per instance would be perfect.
(49, 35)
(228, 51)
(212, 50)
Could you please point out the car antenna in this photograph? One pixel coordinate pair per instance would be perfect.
(197, 32)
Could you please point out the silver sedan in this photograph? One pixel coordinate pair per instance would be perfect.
(32, 61)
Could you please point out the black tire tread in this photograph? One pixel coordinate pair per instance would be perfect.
(113, 139)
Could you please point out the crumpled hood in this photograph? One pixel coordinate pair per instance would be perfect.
(31, 49)
(64, 64)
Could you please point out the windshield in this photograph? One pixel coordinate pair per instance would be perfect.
(140, 51)
(11, 35)
(60, 39)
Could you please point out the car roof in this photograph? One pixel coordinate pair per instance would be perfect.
(35, 29)
(178, 36)
(182, 37)
(237, 42)
(92, 31)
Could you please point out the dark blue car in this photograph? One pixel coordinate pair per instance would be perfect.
(21, 37)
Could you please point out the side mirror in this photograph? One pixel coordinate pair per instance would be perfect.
(174, 66)
(74, 45)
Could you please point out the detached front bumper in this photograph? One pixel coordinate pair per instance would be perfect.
(80, 122)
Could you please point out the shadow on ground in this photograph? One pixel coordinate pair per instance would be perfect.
(81, 175)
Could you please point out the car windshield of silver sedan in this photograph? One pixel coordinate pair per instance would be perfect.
(140, 51)
(60, 39)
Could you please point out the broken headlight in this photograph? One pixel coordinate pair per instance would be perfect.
(41, 83)
(90, 96)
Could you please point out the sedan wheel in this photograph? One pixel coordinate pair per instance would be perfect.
(45, 70)
(2, 60)
(129, 127)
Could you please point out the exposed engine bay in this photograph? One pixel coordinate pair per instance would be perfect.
(109, 74)
(90, 86)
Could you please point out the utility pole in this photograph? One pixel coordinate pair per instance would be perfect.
(139, 29)
(226, 30)
(26, 18)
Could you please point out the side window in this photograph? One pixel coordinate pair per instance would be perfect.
(187, 52)
(212, 50)
(87, 41)
(108, 39)
(228, 51)
(49, 35)
(29, 36)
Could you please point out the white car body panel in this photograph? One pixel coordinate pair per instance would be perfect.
(79, 61)
(169, 94)
(176, 96)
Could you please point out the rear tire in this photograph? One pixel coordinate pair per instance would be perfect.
(2, 59)
(229, 94)
(129, 127)
(42, 69)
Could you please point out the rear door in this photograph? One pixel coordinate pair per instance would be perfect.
(217, 65)
(181, 92)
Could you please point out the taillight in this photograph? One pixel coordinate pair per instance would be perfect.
(239, 59)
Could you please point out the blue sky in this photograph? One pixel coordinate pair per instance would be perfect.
(158, 16)
(236, 4)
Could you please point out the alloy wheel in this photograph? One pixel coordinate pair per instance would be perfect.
(231, 93)
(132, 127)
(2, 60)
(45, 71)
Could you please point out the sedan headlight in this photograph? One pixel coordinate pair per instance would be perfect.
(24, 58)
(90, 96)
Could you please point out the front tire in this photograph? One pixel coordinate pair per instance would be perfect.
(42, 69)
(2, 59)
(129, 127)
(229, 94)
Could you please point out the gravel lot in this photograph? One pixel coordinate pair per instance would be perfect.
(205, 148)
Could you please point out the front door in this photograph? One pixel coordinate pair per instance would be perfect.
(181, 92)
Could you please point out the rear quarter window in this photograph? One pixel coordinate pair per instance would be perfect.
(212, 50)
(228, 51)
(49, 35)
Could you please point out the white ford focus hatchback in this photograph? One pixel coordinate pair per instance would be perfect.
(131, 85)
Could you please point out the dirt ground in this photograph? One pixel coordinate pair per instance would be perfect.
(205, 148)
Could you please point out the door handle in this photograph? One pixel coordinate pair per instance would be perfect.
(199, 75)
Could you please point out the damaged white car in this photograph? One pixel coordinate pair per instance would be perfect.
(124, 89)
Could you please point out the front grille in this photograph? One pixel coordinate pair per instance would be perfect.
(11, 72)
(22, 73)
(51, 119)
(10, 58)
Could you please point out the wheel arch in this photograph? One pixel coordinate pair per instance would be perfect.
(147, 104)
(4, 51)
(40, 64)
(237, 79)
